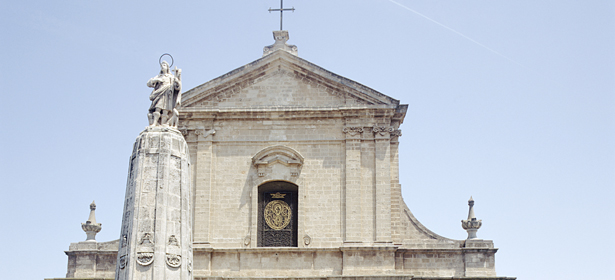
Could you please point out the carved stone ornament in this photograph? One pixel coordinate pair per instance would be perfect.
(307, 240)
(173, 257)
(280, 37)
(123, 260)
(471, 225)
(204, 132)
(352, 131)
(277, 214)
(145, 250)
(173, 240)
(382, 130)
(173, 260)
(91, 227)
(124, 242)
(396, 133)
(146, 240)
(145, 258)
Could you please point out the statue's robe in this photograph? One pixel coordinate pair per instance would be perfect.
(167, 90)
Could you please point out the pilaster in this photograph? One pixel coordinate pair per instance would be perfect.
(353, 184)
(396, 197)
(368, 187)
(382, 135)
(203, 182)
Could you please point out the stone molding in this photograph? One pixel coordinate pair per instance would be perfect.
(225, 94)
(349, 277)
(307, 240)
(278, 154)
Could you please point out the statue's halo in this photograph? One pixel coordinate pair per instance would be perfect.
(160, 60)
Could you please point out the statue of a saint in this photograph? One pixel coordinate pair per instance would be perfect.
(165, 97)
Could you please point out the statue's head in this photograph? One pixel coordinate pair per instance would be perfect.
(164, 67)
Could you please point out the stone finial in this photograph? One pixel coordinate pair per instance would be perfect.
(280, 37)
(90, 227)
(471, 225)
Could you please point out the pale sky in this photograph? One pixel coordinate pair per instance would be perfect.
(511, 102)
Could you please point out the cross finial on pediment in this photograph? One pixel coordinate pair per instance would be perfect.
(282, 10)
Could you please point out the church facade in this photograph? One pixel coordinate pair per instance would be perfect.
(295, 174)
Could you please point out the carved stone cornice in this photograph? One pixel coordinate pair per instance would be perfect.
(287, 112)
(353, 132)
(307, 71)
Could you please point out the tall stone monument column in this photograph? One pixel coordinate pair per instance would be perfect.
(156, 234)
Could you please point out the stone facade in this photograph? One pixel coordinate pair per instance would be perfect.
(283, 119)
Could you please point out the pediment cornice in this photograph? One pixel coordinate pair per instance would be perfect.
(283, 63)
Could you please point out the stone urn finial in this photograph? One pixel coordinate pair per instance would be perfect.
(471, 225)
(90, 227)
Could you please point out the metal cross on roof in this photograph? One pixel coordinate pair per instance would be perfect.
(282, 10)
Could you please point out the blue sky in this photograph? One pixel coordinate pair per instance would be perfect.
(511, 102)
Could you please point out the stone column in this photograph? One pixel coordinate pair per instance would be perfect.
(383, 183)
(353, 184)
(156, 234)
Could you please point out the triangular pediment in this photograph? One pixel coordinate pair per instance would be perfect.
(282, 79)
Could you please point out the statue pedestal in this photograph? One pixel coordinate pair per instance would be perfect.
(156, 234)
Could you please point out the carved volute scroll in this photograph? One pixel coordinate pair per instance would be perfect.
(288, 157)
(353, 132)
(396, 133)
(382, 132)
